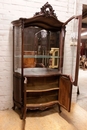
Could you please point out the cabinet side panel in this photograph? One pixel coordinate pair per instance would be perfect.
(17, 89)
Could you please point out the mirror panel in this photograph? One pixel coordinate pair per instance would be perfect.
(41, 48)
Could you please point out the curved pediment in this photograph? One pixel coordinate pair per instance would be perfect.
(46, 19)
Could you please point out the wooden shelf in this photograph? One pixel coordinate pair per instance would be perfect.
(42, 105)
(39, 87)
(43, 90)
(42, 101)
(42, 98)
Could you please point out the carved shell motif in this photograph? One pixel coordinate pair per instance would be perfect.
(46, 10)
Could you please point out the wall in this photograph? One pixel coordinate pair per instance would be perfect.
(14, 9)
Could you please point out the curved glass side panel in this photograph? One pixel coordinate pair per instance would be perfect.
(17, 49)
(41, 48)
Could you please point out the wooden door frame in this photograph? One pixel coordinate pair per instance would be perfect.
(75, 82)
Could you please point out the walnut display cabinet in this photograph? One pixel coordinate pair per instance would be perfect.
(38, 49)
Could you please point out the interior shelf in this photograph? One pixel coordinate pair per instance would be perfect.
(37, 56)
(42, 87)
(42, 100)
(42, 105)
(43, 90)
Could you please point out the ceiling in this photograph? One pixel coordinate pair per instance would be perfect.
(84, 21)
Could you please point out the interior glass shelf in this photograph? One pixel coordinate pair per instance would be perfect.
(38, 56)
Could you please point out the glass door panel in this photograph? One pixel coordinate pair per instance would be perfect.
(17, 50)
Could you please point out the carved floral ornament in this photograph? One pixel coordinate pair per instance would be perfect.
(46, 10)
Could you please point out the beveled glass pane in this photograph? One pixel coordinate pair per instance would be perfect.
(17, 49)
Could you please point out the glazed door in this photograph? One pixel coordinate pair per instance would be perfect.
(65, 91)
(75, 40)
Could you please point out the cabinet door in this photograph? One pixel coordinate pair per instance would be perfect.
(65, 91)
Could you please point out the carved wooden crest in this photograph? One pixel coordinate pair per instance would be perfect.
(46, 10)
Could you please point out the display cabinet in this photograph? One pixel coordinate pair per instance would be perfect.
(38, 49)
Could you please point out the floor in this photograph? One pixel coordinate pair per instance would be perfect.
(46, 120)
(51, 119)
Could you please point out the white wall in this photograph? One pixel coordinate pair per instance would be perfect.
(14, 9)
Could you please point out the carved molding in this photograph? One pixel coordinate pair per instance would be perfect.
(46, 10)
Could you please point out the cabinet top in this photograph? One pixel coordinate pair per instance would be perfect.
(39, 72)
(46, 19)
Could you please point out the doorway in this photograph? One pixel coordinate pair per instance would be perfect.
(82, 77)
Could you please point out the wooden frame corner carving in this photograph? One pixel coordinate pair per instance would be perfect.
(46, 10)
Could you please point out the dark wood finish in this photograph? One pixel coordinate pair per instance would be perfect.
(84, 25)
(78, 51)
(35, 84)
(44, 11)
(65, 91)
